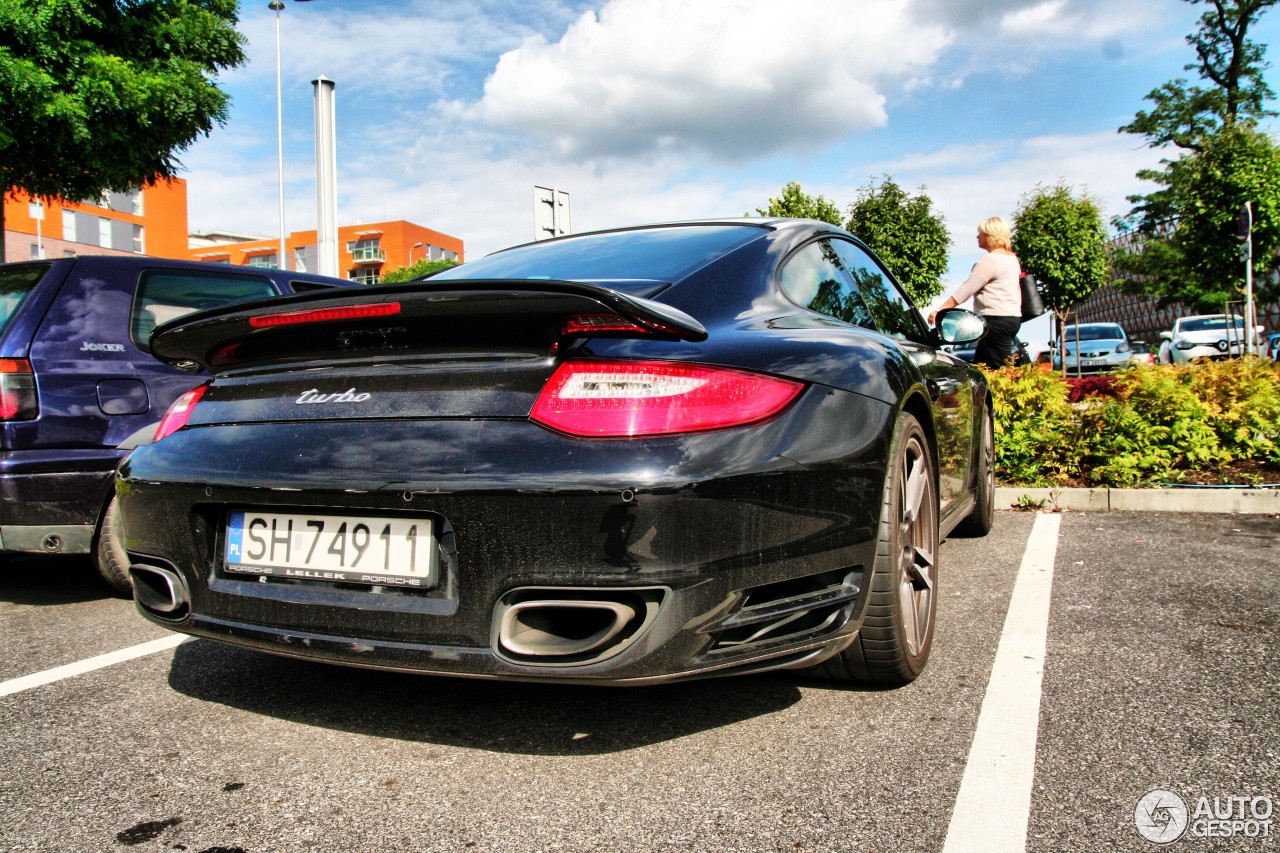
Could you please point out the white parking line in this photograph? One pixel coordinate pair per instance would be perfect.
(994, 803)
(48, 676)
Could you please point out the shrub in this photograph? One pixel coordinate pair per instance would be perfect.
(1033, 426)
(1143, 425)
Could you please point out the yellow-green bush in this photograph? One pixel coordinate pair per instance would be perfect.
(1148, 424)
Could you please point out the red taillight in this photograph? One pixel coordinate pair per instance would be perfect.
(179, 413)
(322, 315)
(18, 401)
(620, 399)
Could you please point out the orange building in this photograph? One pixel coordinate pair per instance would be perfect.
(364, 251)
(153, 221)
(150, 221)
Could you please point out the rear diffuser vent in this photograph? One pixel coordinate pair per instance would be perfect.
(791, 609)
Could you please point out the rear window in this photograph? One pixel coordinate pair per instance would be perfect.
(165, 295)
(654, 254)
(16, 281)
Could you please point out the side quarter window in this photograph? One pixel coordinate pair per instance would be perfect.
(815, 278)
(892, 313)
(165, 295)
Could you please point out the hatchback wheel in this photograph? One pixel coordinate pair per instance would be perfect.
(109, 555)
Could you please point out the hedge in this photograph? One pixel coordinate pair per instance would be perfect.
(1207, 422)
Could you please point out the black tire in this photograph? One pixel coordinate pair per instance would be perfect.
(893, 644)
(980, 521)
(109, 555)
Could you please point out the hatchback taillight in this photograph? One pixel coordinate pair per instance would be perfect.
(622, 399)
(179, 413)
(18, 400)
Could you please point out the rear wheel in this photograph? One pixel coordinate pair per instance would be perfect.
(897, 631)
(109, 555)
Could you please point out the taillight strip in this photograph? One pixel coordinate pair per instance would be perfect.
(323, 315)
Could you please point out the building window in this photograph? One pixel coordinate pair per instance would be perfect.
(271, 261)
(69, 226)
(35, 252)
(104, 232)
(139, 245)
(300, 259)
(366, 250)
(363, 276)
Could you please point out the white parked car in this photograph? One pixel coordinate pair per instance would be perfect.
(1202, 336)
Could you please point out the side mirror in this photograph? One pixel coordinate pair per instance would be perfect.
(1166, 336)
(960, 326)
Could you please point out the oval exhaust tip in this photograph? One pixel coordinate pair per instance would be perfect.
(562, 628)
(159, 591)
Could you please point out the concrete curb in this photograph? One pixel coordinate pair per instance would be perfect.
(1252, 501)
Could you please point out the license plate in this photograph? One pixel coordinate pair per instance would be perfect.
(1094, 362)
(345, 549)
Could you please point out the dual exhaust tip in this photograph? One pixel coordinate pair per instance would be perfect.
(537, 626)
(559, 626)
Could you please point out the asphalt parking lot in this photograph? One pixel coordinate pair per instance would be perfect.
(1156, 672)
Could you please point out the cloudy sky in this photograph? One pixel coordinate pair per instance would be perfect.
(451, 111)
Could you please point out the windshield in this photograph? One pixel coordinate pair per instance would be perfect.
(665, 254)
(16, 281)
(1206, 324)
(1093, 333)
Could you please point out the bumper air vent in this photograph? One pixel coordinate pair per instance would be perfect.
(808, 606)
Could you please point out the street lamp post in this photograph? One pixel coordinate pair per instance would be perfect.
(411, 248)
(277, 6)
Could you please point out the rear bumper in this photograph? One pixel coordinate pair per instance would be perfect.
(50, 501)
(752, 545)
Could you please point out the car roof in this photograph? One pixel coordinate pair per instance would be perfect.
(770, 223)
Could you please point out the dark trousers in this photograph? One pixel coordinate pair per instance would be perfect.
(996, 346)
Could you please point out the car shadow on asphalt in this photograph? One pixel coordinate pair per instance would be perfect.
(38, 580)
(506, 717)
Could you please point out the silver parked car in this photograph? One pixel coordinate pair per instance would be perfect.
(1209, 336)
(1093, 348)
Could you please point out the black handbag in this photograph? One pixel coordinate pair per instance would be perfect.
(1032, 304)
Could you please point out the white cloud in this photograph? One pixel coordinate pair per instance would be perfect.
(735, 79)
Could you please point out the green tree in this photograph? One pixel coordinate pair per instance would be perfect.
(1185, 115)
(907, 235)
(1061, 239)
(1199, 263)
(1180, 249)
(100, 95)
(795, 202)
(417, 269)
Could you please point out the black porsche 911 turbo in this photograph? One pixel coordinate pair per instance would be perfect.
(630, 456)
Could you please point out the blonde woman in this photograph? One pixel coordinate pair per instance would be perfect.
(993, 285)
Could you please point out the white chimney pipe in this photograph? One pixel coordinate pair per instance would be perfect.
(326, 177)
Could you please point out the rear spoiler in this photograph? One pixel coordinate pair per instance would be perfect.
(451, 316)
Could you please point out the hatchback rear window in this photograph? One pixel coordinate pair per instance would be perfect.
(664, 254)
(165, 295)
(16, 281)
